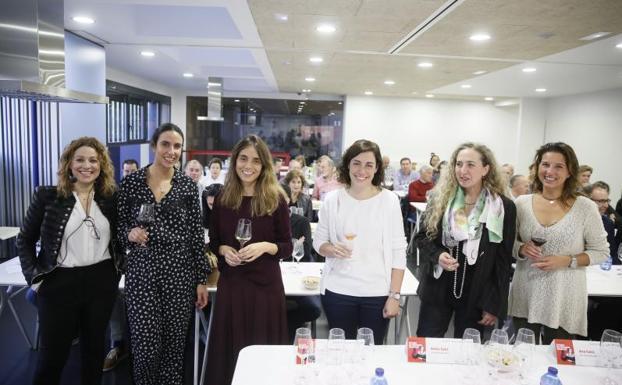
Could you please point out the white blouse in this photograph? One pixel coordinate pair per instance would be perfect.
(86, 238)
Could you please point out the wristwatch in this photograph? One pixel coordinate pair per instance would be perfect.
(395, 295)
(573, 262)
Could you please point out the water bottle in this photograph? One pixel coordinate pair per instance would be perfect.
(550, 377)
(606, 265)
(379, 378)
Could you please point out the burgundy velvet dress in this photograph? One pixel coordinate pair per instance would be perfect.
(250, 301)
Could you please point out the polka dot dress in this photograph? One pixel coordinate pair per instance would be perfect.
(161, 279)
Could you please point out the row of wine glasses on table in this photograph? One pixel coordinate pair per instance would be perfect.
(504, 359)
(335, 361)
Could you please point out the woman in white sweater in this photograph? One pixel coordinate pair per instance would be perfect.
(361, 235)
(549, 289)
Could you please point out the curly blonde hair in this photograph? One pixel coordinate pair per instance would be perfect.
(105, 184)
(445, 189)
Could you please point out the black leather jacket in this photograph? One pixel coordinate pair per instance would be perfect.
(46, 219)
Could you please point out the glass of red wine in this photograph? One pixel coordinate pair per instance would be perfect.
(146, 215)
(538, 237)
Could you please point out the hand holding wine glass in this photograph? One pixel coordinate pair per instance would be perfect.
(146, 217)
(243, 232)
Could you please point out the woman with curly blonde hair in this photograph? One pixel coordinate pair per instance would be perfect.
(466, 244)
(74, 273)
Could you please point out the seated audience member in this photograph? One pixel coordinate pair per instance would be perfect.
(508, 170)
(585, 173)
(215, 173)
(604, 312)
(295, 182)
(389, 172)
(207, 203)
(599, 193)
(327, 178)
(404, 176)
(295, 165)
(418, 189)
(306, 308)
(519, 185)
(194, 169)
(278, 164)
(129, 166)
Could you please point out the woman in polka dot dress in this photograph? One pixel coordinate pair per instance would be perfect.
(250, 301)
(166, 268)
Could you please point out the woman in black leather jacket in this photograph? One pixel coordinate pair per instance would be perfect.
(75, 272)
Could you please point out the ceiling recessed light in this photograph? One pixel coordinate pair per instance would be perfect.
(368, 93)
(83, 20)
(479, 72)
(188, 75)
(316, 59)
(429, 96)
(213, 84)
(280, 16)
(540, 89)
(306, 90)
(326, 28)
(302, 102)
(147, 53)
(389, 82)
(479, 37)
(529, 69)
(310, 79)
(466, 86)
(619, 45)
(425, 64)
(237, 100)
(594, 36)
(489, 99)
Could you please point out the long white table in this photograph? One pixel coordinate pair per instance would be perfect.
(292, 275)
(8, 232)
(603, 283)
(274, 365)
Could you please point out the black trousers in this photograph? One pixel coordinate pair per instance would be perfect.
(74, 300)
(434, 318)
(350, 313)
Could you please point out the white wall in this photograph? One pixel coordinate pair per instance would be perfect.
(417, 127)
(592, 124)
(531, 132)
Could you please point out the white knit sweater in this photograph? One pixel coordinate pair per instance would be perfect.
(557, 298)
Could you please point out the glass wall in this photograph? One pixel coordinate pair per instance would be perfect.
(308, 127)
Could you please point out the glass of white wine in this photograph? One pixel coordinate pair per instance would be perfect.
(243, 232)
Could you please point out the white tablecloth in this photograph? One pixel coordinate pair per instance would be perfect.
(274, 365)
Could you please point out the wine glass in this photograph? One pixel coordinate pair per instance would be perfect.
(303, 343)
(146, 216)
(524, 347)
(539, 236)
(349, 236)
(472, 340)
(243, 231)
(496, 347)
(298, 251)
(610, 349)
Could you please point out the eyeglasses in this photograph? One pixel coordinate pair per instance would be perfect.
(90, 223)
(602, 201)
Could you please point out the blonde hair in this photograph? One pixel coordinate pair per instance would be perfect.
(268, 193)
(445, 189)
(104, 184)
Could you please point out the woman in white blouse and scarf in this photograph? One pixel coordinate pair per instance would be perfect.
(466, 246)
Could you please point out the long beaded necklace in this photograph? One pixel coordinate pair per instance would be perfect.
(455, 255)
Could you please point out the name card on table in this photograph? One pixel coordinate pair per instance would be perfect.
(434, 350)
(580, 353)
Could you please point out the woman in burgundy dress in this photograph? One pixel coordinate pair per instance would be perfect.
(250, 301)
